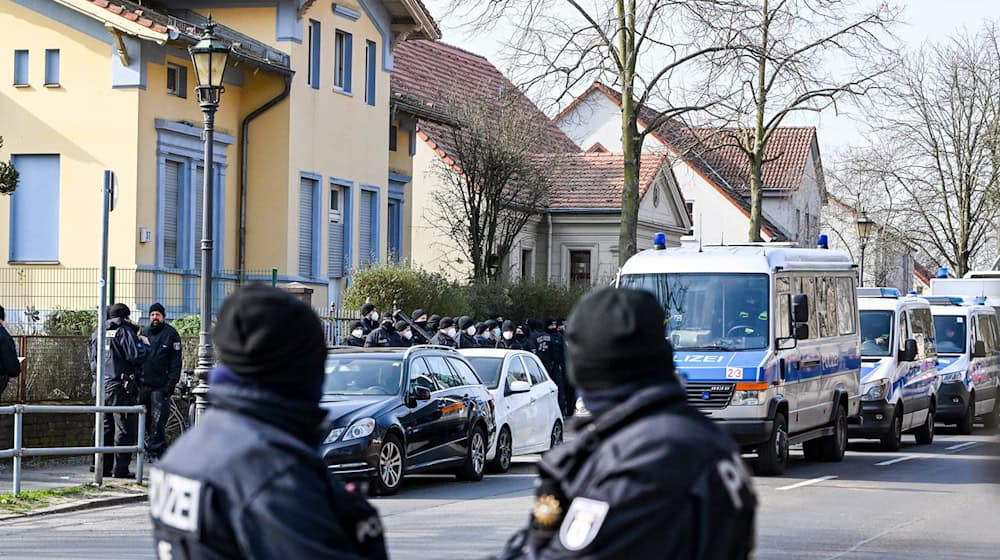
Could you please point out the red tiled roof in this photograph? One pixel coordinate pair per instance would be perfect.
(595, 180)
(132, 12)
(431, 75)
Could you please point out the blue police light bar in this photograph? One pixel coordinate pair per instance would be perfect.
(823, 242)
(942, 272)
(660, 241)
(981, 300)
(878, 293)
(944, 300)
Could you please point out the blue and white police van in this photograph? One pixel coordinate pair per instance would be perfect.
(766, 340)
(968, 344)
(899, 368)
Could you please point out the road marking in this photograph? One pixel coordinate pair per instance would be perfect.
(870, 539)
(961, 446)
(896, 460)
(807, 482)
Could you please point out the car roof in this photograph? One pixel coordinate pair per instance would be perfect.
(391, 352)
(489, 352)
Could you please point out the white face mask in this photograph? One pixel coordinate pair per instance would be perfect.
(407, 335)
(508, 335)
(471, 331)
(450, 331)
(357, 333)
(373, 315)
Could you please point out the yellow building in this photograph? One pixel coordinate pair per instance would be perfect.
(303, 182)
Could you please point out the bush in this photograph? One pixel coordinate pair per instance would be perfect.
(189, 325)
(66, 322)
(487, 299)
(540, 300)
(407, 288)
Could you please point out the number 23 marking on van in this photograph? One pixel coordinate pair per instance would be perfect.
(734, 373)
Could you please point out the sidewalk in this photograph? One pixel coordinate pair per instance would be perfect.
(37, 475)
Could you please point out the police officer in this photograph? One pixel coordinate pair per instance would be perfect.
(385, 335)
(549, 347)
(247, 481)
(466, 335)
(10, 367)
(160, 374)
(369, 318)
(124, 354)
(419, 318)
(405, 334)
(751, 316)
(508, 340)
(649, 476)
(445, 333)
(356, 337)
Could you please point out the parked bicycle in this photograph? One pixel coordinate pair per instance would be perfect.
(180, 417)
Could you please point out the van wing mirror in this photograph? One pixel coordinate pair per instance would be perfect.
(909, 351)
(800, 308)
(979, 349)
(800, 331)
(519, 387)
(422, 393)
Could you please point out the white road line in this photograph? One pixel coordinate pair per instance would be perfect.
(807, 482)
(896, 460)
(870, 539)
(960, 446)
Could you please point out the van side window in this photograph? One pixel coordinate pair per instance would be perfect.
(922, 325)
(806, 285)
(827, 306)
(985, 333)
(996, 332)
(904, 332)
(847, 305)
(782, 289)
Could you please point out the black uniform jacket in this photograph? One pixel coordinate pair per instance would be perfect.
(124, 354)
(383, 338)
(651, 478)
(241, 484)
(162, 368)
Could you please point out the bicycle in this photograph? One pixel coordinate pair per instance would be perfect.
(179, 417)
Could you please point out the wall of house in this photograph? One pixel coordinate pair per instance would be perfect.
(790, 209)
(401, 164)
(432, 250)
(595, 119)
(597, 233)
(716, 219)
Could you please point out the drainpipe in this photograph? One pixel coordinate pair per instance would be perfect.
(548, 259)
(244, 143)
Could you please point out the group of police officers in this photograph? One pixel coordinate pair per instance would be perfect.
(647, 476)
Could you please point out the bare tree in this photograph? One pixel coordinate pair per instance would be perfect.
(638, 47)
(8, 175)
(493, 183)
(796, 56)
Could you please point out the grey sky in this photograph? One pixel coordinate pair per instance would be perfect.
(926, 20)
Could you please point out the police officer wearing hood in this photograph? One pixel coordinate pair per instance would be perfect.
(649, 476)
(247, 481)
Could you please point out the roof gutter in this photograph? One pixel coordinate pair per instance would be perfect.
(551, 211)
(244, 148)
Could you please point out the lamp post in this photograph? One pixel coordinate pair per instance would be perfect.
(209, 57)
(865, 225)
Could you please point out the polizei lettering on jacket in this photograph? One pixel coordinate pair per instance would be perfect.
(174, 500)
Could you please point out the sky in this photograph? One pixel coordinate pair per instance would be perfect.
(925, 20)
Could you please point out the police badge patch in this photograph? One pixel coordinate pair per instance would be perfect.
(583, 522)
(177, 346)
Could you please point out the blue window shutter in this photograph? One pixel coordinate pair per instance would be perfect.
(171, 212)
(366, 228)
(335, 243)
(348, 61)
(307, 190)
(395, 232)
(20, 68)
(34, 210)
(348, 223)
(371, 55)
(315, 42)
(51, 67)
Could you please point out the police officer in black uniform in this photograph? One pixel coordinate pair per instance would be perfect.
(549, 346)
(247, 481)
(369, 317)
(356, 337)
(385, 336)
(649, 476)
(160, 374)
(124, 354)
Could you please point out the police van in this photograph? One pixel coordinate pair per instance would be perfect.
(968, 344)
(765, 337)
(899, 368)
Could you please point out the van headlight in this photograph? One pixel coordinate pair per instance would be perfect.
(746, 398)
(953, 376)
(333, 436)
(875, 390)
(360, 428)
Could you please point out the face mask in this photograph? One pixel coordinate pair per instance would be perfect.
(507, 335)
(450, 331)
(357, 333)
(495, 333)
(407, 335)
(373, 315)
(471, 331)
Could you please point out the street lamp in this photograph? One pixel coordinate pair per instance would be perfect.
(865, 225)
(209, 57)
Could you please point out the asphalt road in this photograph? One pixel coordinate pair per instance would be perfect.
(925, 502)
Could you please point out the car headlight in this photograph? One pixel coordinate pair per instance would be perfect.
(360, 428)
(953, 376)
(333, 436)
(875, 390)
(746, 398)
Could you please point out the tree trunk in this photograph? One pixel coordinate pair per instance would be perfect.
(756, 198)
(630, 190)
(757, 150)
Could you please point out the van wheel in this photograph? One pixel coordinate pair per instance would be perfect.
(965, 424)
(833, 447)
(992, 418)
(772, 457)
(925, 433)
(893, 440)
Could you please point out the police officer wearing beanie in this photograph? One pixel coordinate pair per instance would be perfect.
(356, 337)
(508, 339)
(649, 476)
(247, 482)
(445, 333)
(124, 354)
(160, 374)
(369, 318)
(466, 335)
(385, 335)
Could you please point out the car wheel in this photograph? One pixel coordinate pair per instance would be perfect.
(833, 447)
(390, 468)
(925, 433)
(893, 440)
(772, 457)
(556, 438)
(992, 418)
(965, 424)
(505, 450)
(475, 457)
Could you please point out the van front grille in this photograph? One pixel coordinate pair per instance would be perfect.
(709, 395)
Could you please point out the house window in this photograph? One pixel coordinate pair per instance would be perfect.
(343, 45)
(308, 189)
(51, 67)
(21, 68)
(335, 215)
(579, 267)
(370, 54)
(34, 209)
(176, 80)
(527, 256)
(689, 207)
(315, 38)
(183, 181)
(393, 131)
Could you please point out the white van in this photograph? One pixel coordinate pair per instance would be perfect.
(899, 368)
(968, 343)
(766, 339)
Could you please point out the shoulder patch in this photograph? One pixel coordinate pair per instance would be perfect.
(174, 500)
(583, 521)
(177, 346)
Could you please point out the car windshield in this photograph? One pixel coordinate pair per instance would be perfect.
(709, 311)
(362, 375)
(876, 329)
(488, 370)
(950, 333)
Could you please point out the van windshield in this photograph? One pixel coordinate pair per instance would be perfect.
(710, 311)
(950, 333)
(876, 329)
